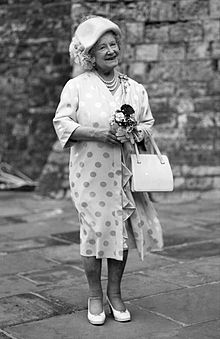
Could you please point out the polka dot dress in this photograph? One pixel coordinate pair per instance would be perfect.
(97, 196)
(99, 182)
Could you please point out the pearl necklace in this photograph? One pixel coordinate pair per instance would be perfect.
(111, 84)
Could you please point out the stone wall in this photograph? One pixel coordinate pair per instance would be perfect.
(34, 66)
(171, 46)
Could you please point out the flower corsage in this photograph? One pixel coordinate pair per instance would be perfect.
(124, 123)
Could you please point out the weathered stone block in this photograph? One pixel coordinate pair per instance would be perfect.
(186, 31)
(162, 117)
(214, 8)
(192, 89)
(160, 89)
(217, 118)
(199, 183)
(163, 10)
(172, 52)
(216, 49)
(161, 110)
(196, 152)
(135, 32)
(203, 121)
(63, 46)
(59, 10)
(164, 71)
(189, 9)
(183, 106)
(147, 52)
(12, 85)
(202, 146)
(137, 71)
(65, 184)
(60, 158)
(78, 10)
(216, 182)
(128, 53)
(214, 85)
(197, 70)
(211, 30)
(204, 104)
(198, 50)
(179, 183)
(157, 33)
(200, 171)
(137, 11)
(159, 104)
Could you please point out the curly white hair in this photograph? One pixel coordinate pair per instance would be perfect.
(82, 58)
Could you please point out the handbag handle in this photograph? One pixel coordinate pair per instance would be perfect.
(153, 143)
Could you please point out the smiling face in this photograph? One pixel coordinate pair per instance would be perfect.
(106, 53)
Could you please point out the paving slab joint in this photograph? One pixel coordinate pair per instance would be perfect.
(67, 242)
(8, 335)
(163, 316)
(60, 307)
(185, 244)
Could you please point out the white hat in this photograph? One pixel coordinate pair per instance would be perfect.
(86, 35)
(89, 31)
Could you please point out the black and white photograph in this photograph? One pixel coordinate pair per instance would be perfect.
(109, 169)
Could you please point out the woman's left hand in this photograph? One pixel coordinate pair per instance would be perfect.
(123, 136)
(137, 135)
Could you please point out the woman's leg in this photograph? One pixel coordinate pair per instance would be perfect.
(93, 267)
(115, 273)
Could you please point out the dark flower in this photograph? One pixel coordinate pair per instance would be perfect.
(125, 117)
(127, 110)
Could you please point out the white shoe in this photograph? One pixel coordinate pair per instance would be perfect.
(95, 319)
(119, 315)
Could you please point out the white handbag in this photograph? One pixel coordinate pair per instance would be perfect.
(151, 172)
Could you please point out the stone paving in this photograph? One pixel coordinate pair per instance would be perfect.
(173, 294)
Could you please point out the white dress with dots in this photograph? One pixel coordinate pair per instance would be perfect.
(99, 181)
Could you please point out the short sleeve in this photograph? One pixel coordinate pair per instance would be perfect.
(65, 120)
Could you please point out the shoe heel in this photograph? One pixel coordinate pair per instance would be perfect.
(110, 310)
(118, 315)
(109, 306)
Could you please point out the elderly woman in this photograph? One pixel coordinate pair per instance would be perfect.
(111, 217)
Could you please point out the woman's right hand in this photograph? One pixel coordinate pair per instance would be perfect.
(95, 134)
(106, 135)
